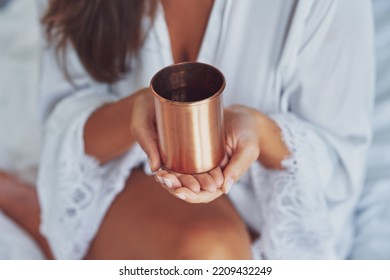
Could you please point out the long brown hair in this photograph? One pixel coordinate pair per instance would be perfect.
(103, 32)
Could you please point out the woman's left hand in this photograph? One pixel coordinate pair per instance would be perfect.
(242, 132)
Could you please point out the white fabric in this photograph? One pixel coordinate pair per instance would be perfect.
(373, 216)
(20, 130)
(308, 64)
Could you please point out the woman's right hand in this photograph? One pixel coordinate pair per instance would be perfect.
(143, 127)
(144, 130)
(193, 188)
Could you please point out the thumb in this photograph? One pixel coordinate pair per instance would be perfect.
(145, 133)
(147, 139)
(238, 164)
(143, 128)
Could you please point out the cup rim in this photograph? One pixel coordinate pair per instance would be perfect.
(189, 103)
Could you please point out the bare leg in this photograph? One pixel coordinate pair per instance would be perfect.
(146, 222)
(19, 201)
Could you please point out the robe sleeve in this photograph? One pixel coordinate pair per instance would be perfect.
(326, 105)
(75, 191)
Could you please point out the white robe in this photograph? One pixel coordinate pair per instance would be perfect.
(307, 64)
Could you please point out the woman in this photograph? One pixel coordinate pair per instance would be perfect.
(298, 101)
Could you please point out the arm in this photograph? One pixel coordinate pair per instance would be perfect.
(107, 131)
(325, 122)
(112, 129)
(77, 182)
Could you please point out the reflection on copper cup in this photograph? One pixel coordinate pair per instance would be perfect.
(189, 113)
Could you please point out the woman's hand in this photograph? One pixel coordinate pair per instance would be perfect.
(246, 130)
(143, 127)
(242, 131)
(196, 188)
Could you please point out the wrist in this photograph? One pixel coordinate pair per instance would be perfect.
(106, 132)
(272, 147)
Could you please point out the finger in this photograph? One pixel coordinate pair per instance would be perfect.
(229, 149)
(239, 163)
(168, 179)
(206, 182)
(201, 197)
(190, 182)
(217, 175)
(159, 176)
(224, 161)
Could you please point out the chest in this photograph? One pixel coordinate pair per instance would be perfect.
(244, 39)
(186, 22)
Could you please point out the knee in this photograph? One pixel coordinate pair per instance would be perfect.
(213, 240)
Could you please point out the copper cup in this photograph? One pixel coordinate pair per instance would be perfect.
(189, 113)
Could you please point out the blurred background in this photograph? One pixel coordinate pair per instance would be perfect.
(20, 131)
(19, 125)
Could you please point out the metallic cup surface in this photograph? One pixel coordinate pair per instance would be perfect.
(189, 116)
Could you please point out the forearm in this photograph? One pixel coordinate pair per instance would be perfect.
(107, 131)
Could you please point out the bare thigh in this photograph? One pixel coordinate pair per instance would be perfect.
(147, 222)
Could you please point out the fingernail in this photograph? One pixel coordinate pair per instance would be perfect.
(168, 183)
(160, 179)
(228, 186)
(212, 189)
(181, 196)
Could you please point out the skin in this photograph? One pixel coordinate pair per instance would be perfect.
(168, 228)
(19, 201)
(247, 131)
(143, 208)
